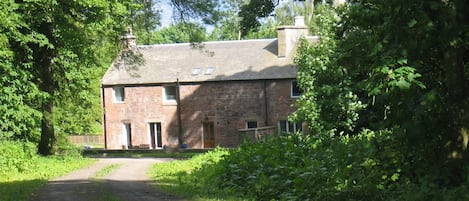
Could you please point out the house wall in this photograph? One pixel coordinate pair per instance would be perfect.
(227, 104)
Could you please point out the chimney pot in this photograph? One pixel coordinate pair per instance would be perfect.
(299, 21)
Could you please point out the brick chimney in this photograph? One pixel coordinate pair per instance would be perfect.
(288, 36)
(129, 41)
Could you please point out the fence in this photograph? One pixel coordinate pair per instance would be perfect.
(256, 134)
(86, 139)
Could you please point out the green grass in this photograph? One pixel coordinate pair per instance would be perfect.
(104, 194)
(17, 186)
(183, 178)
(106, 170)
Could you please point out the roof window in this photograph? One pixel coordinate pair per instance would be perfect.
(195, 71)
(209, 70)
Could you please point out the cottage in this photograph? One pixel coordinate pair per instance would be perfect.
(200, 96)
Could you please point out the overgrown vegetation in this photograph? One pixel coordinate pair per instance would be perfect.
(22, 171)
(191, 178)
(386, 92)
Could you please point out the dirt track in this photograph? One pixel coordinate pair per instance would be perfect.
(127, 183)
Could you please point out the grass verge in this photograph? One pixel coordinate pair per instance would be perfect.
(20, 185)
(184, 177)
(104, 194)
(106, 170)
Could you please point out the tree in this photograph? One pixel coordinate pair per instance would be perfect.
(72, 36)
(145, 19)
(183, 32)
(18, 91)
(251, 12)
(203, 10)
(329, 104)
(407, 61)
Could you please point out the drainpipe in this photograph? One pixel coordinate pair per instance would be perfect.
(178, 102)
(104, 116)
(266, 102)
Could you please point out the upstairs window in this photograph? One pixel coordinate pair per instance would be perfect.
(119, 94)
(296, 91)
(169, 93)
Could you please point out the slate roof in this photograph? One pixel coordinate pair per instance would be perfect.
(229, 60)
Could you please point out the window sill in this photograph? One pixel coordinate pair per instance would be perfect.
(170, 103)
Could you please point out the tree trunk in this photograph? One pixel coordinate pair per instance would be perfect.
(43, 57)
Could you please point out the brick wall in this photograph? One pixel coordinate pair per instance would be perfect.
(227, 104)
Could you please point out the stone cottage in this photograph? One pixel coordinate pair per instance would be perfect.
(200, 95)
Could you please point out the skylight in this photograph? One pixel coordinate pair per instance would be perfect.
(195, 71)
(209, 70)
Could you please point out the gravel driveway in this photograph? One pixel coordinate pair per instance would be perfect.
(127, 183)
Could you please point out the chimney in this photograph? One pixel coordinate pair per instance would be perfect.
(129, 41)
(288, 36)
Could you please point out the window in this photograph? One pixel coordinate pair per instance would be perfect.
(251, 124)
(289, 127)
(195, 71)
(119, 94)
(209, 70)
(295, 90)
(169, 93)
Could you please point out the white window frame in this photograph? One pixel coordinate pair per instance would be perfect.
(165, 98)
(292, 86)
(118, 94)
(287, 126)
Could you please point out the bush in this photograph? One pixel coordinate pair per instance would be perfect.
(368, 166)
(17, 156)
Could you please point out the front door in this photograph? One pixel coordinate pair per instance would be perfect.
(209, 135)
(155, 135)
(127, 136)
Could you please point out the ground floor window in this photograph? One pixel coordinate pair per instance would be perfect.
(289, 127)
(251, 124)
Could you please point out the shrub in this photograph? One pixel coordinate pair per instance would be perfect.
(16, 156)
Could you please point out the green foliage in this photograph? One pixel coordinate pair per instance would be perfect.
(252, 11)
(145, 19)
(19, 160)
(183, 32)
(22, 171)
(192, 178)
(395, 66)
(366, 166)
(19, 117)
(16, 157)
(204, 10)
(328, 104)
